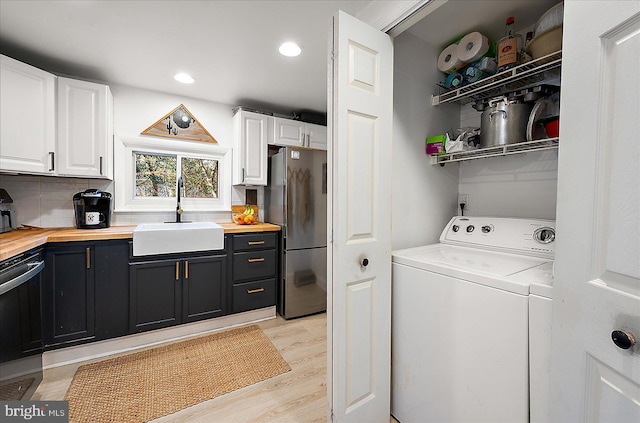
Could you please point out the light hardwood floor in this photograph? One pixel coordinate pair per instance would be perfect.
(296, 396)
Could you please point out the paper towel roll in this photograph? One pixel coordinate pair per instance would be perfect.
(448, 60)
(472, 47)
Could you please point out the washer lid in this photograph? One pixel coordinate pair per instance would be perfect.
(486, 267)
(474, 260)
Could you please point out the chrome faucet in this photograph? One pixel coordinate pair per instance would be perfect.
(178, 208)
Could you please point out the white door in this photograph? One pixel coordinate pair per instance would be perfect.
(28, 113)
(85, 128)
(359, 256)
(597, 268)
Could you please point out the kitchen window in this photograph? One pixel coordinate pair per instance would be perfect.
(147, 169)
(156, 176)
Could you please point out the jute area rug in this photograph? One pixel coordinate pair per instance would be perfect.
(149, 384)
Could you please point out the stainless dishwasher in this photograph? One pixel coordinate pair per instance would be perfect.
(20, 326)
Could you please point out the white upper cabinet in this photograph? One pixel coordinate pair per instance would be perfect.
(85, 129)
(299, 134)
(316, 136)
(250, 158)
(27, 113)
(289, 132)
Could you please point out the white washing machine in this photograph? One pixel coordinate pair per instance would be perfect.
(460, 321)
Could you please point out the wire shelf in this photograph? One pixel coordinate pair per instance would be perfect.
(522, 76)
(501, 150)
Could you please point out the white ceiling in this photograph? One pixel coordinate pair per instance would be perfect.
(229, 47)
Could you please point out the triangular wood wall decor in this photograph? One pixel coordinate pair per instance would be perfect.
(179, 123)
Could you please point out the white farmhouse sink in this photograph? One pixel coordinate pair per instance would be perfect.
(166, 238)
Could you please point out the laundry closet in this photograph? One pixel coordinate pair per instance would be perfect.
(499, 173)
(585, 182)
(502, 183)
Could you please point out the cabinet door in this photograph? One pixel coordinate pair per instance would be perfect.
(252, 132)
(154, 294)
(68, 294)
(203, 288)
(316, 136)
(112, 288)
(289, 132)
(85, 127)
(27, 113)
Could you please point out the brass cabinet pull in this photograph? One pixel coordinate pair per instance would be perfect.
(255, 291)
(87, 254)
(177, 270)
(186, 269)
(255, 242)
(255, 260)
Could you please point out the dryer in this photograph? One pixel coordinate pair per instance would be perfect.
(460, 320)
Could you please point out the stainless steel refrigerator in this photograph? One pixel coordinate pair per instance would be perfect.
(296, 199)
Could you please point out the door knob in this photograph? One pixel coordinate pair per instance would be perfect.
(364, 262)
(622, 339)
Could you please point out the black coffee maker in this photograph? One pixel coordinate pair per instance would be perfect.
(93, 209)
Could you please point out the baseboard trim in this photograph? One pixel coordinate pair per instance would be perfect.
(139, 341)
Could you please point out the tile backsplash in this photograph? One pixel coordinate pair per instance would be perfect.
(47, 202)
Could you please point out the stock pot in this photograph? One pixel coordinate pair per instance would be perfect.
(504, 121)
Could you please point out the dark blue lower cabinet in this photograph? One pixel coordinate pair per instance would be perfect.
(98, 290)
(169, 292)
(85, 292)
(68, 294)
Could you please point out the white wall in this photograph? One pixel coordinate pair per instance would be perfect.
(47, 201)
(424, 195)
(523, 185)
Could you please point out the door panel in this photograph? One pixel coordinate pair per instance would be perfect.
(68, 299)
(289, 132)
(360, 103)
(203, 288)
(155, 295)
(82, 128)
(597, 272)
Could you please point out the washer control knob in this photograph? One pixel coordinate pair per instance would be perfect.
(544, 235)
(486, 229)
(455, 228)
(622, 339)
(470, 228)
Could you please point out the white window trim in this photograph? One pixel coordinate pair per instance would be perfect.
(124, 173)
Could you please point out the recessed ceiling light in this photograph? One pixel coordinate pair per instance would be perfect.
(185, 78)
(290, 49)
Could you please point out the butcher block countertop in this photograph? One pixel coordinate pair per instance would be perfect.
(21, 240)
